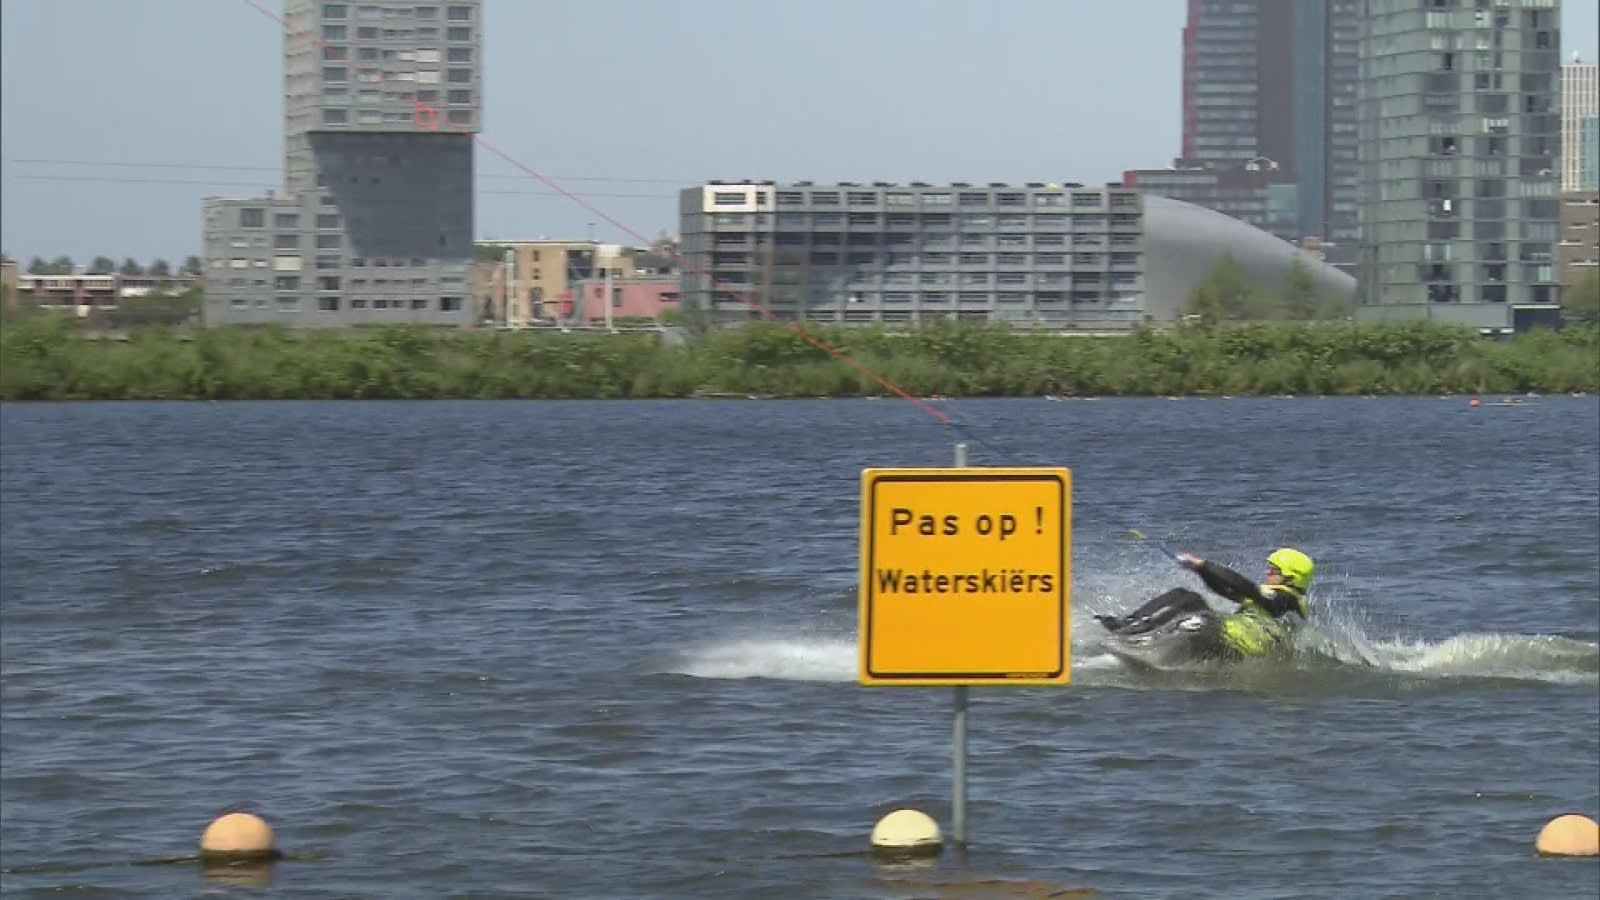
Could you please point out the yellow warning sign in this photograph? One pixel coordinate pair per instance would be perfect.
(966, 576)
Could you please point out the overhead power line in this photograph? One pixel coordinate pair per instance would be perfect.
(123, 164)
(133, 179)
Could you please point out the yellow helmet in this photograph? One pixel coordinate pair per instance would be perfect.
(1295, 566)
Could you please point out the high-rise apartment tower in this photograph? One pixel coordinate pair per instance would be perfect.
(1460, 133)
(1269, 105)
(1580, 111)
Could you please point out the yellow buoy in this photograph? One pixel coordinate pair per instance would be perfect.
(1570, 835)
(907, 832)
(238, 836)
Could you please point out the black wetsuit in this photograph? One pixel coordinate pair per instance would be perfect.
(1275, 602)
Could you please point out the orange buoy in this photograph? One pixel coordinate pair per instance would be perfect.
(1570, 835)
(238, 836)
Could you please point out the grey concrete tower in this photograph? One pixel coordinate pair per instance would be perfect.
(381, 99)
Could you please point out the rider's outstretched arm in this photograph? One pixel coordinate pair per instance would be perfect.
(1238, 588)
(1228, 583)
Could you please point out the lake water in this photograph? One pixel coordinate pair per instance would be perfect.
(580, 649)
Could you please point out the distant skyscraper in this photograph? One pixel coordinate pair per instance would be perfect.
(1459, 140)
(1269, 86)
(1580, 105)
(381, 98)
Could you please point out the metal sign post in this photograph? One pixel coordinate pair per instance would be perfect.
(958, 748)
(965, 579)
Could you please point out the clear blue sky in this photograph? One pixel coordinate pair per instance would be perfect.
(622, 103)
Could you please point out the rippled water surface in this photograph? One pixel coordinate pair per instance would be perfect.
(609, 650)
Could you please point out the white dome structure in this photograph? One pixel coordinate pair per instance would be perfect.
(1182, 242)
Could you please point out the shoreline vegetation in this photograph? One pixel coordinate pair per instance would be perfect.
(46, 358)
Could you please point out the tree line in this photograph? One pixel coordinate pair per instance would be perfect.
(1227, 294)
(43, 357)
(105, 265)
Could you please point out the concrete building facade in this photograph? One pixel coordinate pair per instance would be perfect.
(1589, 153)
(1580, 117)
(381, 99)
(1041, 255)
(1459, 147)
(1580, 236)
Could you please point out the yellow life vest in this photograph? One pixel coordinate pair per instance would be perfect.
(1253, 631)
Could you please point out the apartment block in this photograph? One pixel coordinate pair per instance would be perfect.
(1034, 255)
(1460, 133)
(528, 282)
(381, 99)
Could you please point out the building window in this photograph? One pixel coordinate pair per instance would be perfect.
(252, 218)
(329, 241)
(458, 34)
(328, 220)
(459, 97)
(459, 116)
(334, 11)
(460, 55)
(333, 32)
(286, 283)
(460, 76)
(335, 117)
(449, 304)
(427, 12)
(335, 74)
(286, 221)
(328, 304)
(459, 14)
(286, 242)
(335, 53)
